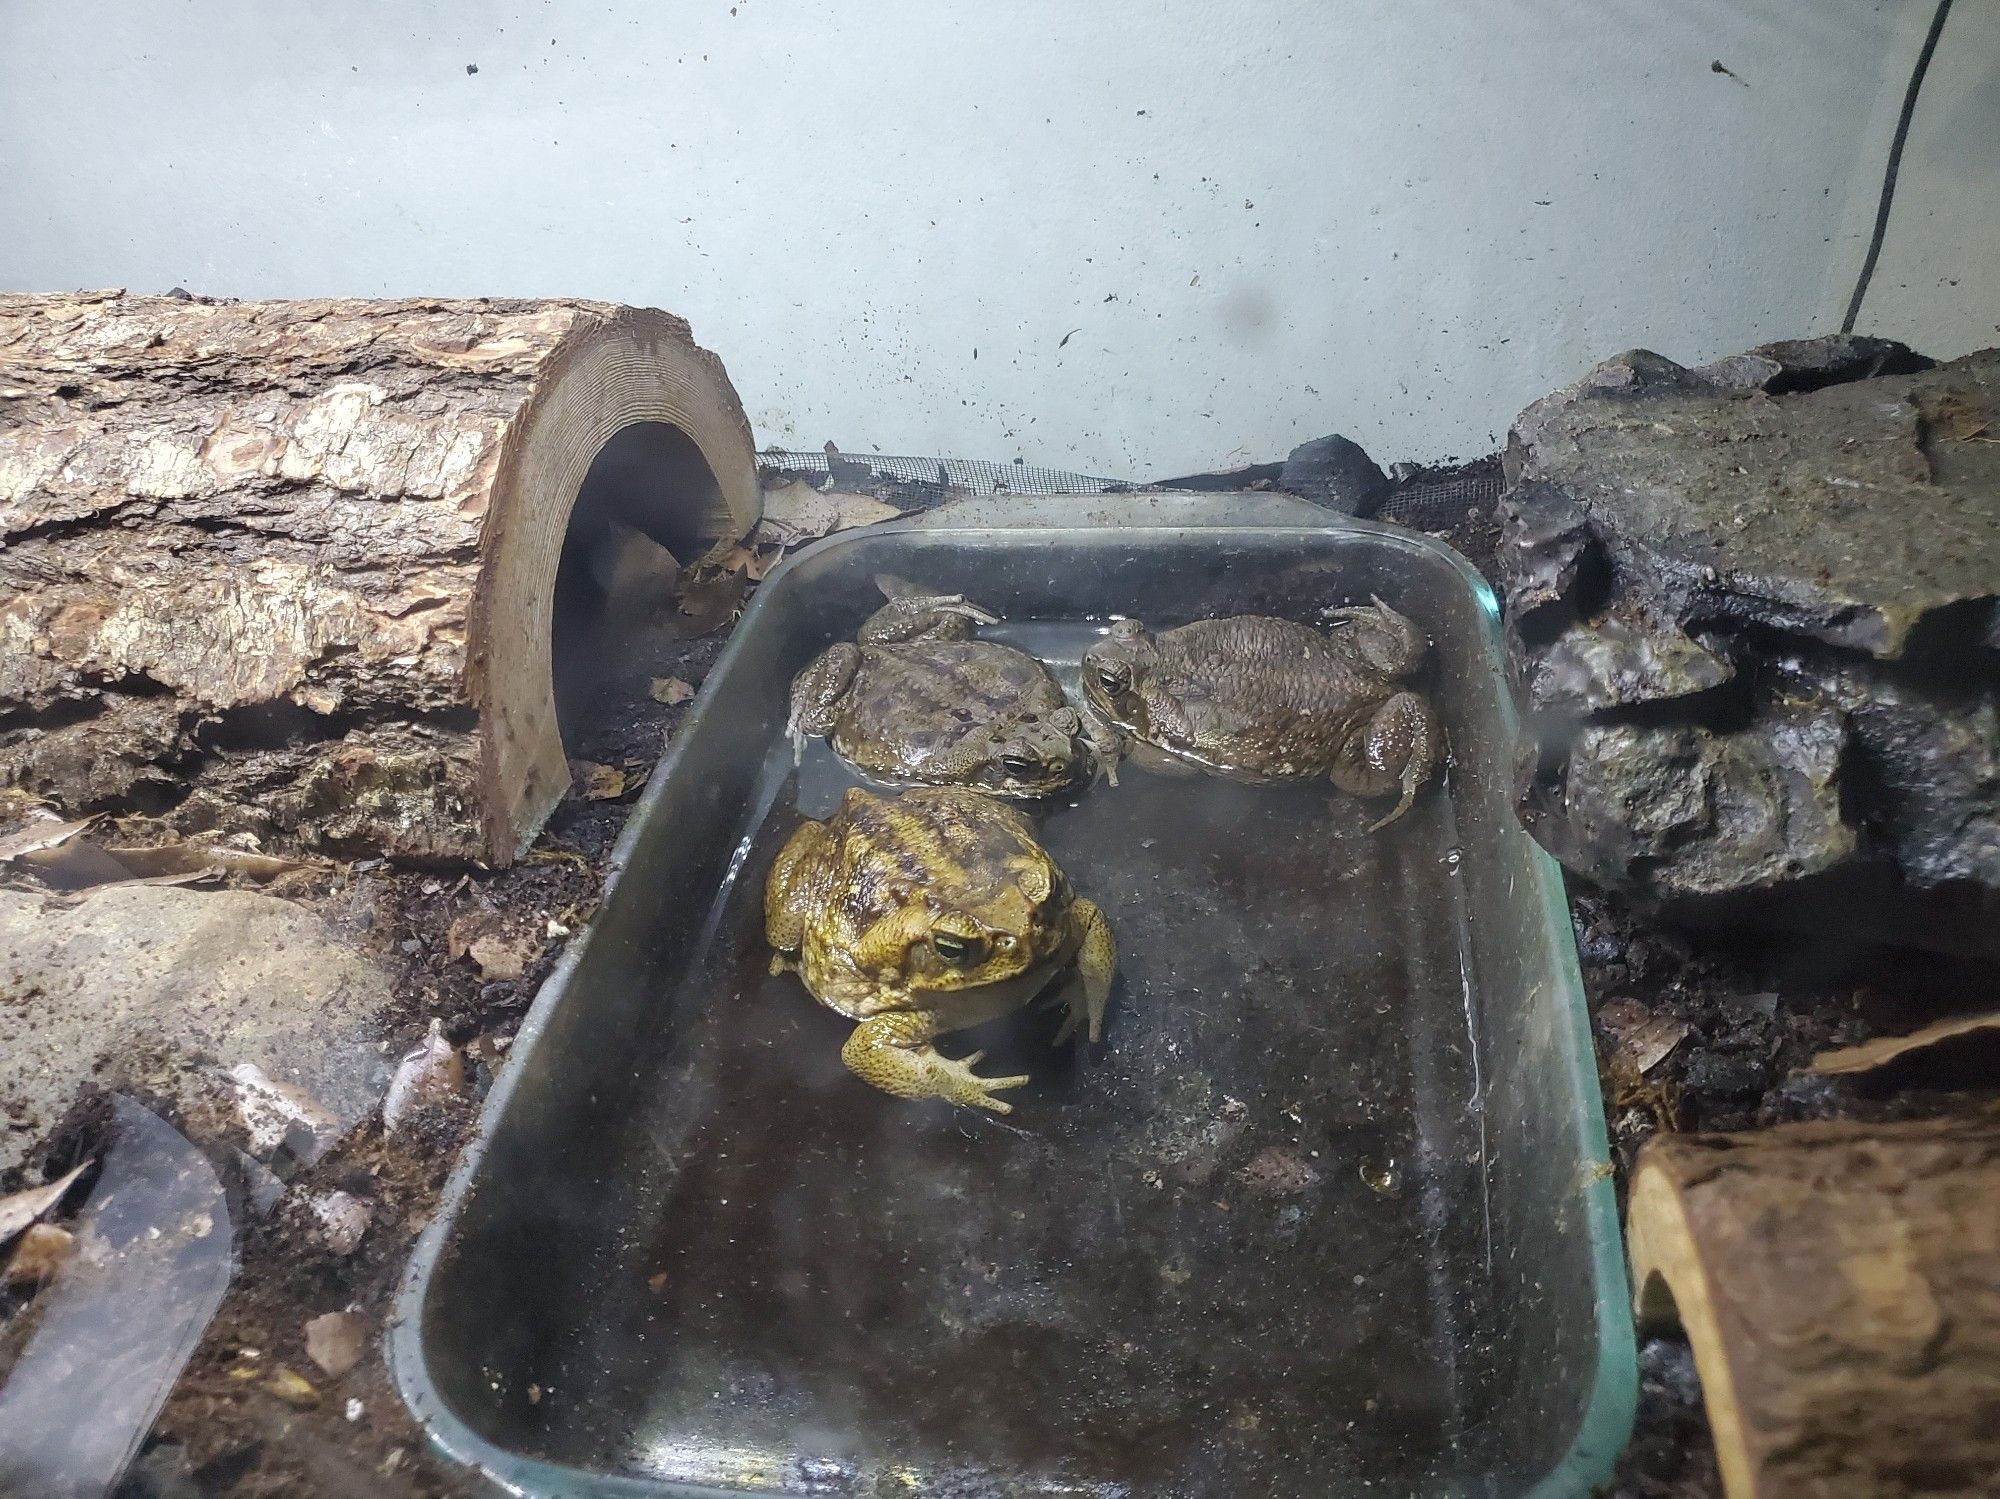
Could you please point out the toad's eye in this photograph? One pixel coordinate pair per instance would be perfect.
(1020, 765)
(959, 952)
(1113, 676)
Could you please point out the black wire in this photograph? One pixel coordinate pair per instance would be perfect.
(1895, 162)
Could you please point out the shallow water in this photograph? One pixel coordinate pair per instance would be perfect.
(1239, 1247)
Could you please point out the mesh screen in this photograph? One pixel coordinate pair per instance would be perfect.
(969, 474)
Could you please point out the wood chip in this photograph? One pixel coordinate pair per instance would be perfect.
(343, 1219)
(23, 1208)
(1278, 1172)
(1883, 1050)
(670, 690)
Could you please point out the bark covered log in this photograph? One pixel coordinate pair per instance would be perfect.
(1840, 1285)
(292, 564)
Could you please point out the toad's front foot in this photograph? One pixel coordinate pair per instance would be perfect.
(893, 1053)
(1096, 964)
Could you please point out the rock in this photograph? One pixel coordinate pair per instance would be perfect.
(280, 1124)
(335, 1342)
(1335, 472)
(1688, 812)
(159, 989)
(263, 1188)
(1754, 610)
(343, 1219)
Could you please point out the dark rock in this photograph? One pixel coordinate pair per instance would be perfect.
(1728, 1074)
(1753, 609)
(1800, 364)
(1334, 472)
(1680, 811)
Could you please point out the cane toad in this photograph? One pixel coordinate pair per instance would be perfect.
(913, 698)
(1259, 699)
(926, 913)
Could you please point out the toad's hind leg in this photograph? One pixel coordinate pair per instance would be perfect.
(816, 691)
(784, 920)
(1396, 750)
(1096, 963)
(893, 1052)
(923, 616)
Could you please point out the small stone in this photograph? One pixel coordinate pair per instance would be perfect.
(334, 1341)
(262, 1187)
(1726, 1074)
(277, 1117)
(343, 1219)
(353, 1411)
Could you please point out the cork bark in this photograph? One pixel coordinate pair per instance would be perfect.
(290, 565)
(1840, 1285)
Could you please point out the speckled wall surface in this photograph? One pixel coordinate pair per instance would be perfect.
(1176, 235)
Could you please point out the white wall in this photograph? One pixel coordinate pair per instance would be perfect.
(1252, 221)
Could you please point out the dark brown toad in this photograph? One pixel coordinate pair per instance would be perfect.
(914, 698)
(1259, 699)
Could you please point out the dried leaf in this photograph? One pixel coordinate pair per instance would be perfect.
(709, 596)
(37, 836)
(795, 513)
(1883, 1050)
(430, 1073)
(293, 1389)
(599, 783)
(23, 1208)
(671, 690)
(335, 1342)
(501, 949)
(43, 1250)
(169, 859)
(1643, 1039)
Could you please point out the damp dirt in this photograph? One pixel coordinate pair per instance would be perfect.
(1753, 1015)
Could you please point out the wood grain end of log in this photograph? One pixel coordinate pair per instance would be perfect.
(1839, 1284)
